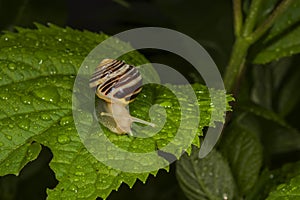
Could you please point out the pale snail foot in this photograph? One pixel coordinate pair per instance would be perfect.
(134, 119)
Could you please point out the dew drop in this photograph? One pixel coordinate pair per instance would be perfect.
(63, 139)
(53, 71)
(48, 94)
(79, 173)
(74, 188)
(24, 124)
(225, 196)
(26, 100)
(12, 66)
(8, 137)
(79, 167)
(16, 109)
(59, 39)
(66, 120)
(4, 96)
(6, 39)
(40, 62)
(45, 117)
(167, 104)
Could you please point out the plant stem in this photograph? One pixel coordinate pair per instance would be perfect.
(270, 20)
(236, 63)
(252, 17)
(240, 48)
(238, 17)
(242, 43)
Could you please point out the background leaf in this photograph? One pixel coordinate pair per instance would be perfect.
(290, 190)
(207, 178)
(38, 69)
(244, 154)
(283, 38)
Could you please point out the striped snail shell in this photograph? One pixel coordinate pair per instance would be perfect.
(117, 83)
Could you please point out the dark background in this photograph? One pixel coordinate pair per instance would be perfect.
(207, 21)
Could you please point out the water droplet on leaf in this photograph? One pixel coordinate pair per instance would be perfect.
(73, 188)
(12, 66)
(66, 120)
(63, 139)
(45, 117)
(24, 124)
(26, 100)
(16, 109)
(79, 173)
(4, 96)
(166, 104)
(48, 94)
(8, 137)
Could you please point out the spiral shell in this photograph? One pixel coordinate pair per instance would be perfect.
(117, 83)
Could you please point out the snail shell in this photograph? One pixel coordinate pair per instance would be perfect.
(117, 83)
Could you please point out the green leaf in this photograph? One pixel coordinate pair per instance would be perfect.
(244, 154)
(38, 69)
(207, 178)
(277, 140)
(265, 10)
(283, 38)
(265, 114)
(275, 88)
(289, 19)
(289, 97)
(289, 190)
(269, 179)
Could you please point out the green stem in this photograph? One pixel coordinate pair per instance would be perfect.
(242, 43)
(238, 17)
(236, 63)
(252, 17)
(240, 48)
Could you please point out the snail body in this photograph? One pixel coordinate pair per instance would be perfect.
(117, 83)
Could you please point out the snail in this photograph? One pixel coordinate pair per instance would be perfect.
(118, 84)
